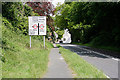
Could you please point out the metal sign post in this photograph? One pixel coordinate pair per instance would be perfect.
(30, 41)
(37, 26)
(44, 41)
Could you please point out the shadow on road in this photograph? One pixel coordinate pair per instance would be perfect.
(82, 52)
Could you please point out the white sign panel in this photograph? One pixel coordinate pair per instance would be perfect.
(42, 25)
(37, 25)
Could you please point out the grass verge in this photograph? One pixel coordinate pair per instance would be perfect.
(18, 60)
(80, 67)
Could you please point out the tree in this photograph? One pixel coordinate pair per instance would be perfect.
(91, 20)
(44, 9)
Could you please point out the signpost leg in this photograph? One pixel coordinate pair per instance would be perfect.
(44, 41)
(30, 41)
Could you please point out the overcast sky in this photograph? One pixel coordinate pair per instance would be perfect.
(55, 2)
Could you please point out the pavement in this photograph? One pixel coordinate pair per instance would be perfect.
(105, 63)
(57, 67)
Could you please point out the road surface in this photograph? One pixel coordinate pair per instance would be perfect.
(105, 63)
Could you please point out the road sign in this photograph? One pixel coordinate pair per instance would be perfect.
(42, 23)
(41, 26)
(37, 25)
(33, 26)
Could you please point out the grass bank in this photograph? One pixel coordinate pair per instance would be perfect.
(80, 67)
(18, 60)
(110, 48)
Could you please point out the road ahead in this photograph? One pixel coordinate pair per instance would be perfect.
(107, 64)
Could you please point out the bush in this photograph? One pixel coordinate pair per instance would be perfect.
(7, 23)
(103, 39)
(28, 10)
(16, 16)
(22, 25)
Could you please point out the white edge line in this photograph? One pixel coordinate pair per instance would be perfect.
(102, 55)
(116, 59)
(107, 76)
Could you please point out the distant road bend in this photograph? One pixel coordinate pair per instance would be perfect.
(105, 63)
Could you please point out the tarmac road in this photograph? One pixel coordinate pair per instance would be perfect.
(105, 63)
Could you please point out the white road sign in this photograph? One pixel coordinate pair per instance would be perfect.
(42, 25)
(37, 25)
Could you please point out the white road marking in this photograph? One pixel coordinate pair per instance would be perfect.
(116, 59)
(108, 77)
(90, 51)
